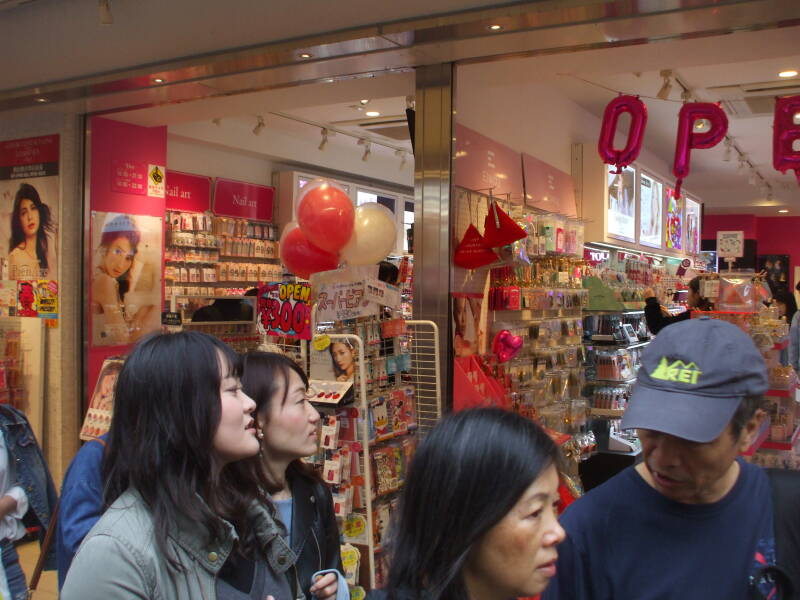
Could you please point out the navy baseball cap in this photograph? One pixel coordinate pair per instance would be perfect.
(693, 376)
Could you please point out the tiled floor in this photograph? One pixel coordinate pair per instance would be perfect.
(48, 584)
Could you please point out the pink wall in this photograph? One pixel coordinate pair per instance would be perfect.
(773, 235)
(111, 143)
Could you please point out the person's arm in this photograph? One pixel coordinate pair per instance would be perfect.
(106, 569)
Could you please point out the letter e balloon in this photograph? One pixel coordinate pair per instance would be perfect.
(785, 132)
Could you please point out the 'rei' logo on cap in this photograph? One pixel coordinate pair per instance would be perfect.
(676, 371)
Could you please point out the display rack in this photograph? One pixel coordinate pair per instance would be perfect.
(22, 357)
(385, 435)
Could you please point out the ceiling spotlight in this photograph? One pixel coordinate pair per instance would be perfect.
(403, 157)
(324, 141)
(367, 150)
(787, 74)
(364, 101)
(104, 12)
(686, 96)
(783, 210)
(329, 80)
(158, 80)
(372, 113)
(728, 150)
(702, 125)
(495, 27)
(259, 125)
(666, 87)
(41, 100)
(217, 121)
(305, 55)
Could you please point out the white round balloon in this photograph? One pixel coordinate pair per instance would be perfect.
(374, 235)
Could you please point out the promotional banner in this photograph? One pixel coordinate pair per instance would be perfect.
(621, 204)
(187, 192)
(284, 309)
(29, 207)
(650, 214)
(674, 232)
(243, 200)
(101, 406)
(344, 300)
(693, 219)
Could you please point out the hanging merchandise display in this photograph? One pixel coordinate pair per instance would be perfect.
(472, 251)
(499, 229)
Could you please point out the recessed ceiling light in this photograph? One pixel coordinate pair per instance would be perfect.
(364, 101)
(305, 55)
(373, 113)
(783, 210)
(329, 80)
(788, 73)
(158, 80)
(42, 100)
(495, 27)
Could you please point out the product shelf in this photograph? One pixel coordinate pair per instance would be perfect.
(611, 381)
(786, 445)
(606, 345)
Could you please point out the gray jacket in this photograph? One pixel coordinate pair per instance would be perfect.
(120, 559)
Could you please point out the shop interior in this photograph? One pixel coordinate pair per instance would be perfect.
(571, 307)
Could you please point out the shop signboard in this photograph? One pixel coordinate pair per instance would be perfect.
(693, 224)
(284, 309)
(128, 177)
(481, 163)
(674, 228)
(622, 203)
(187, 192)
(650, 211)
(730, 244)
(548, 188)
(243, 200)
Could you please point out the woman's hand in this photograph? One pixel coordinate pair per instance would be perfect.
(325, 587)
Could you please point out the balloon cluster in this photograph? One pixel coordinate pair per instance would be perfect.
(329, 230)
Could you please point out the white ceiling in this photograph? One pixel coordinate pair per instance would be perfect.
(702, 64)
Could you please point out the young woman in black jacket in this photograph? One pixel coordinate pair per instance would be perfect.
(288, 423)
(658, 317)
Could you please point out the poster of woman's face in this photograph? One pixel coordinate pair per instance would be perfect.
(621, 203)
(335, 363)
(126, 277)
(467, 329)
(101, 408)
(29, 227)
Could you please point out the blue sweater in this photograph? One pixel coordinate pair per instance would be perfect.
(81, 503)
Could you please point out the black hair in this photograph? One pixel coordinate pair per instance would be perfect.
(466, 476)
(262, 376)
(167, 408)
(27, 192)
(388, 272)
(746, 410)
(703, 303)
(787, 298)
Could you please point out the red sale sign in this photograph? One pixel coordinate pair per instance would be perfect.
(243, 200)
(284, 309)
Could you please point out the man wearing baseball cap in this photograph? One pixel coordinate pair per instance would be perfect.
(692, 521)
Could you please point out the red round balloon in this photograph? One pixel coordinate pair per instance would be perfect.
(326, 216)
(302, 257)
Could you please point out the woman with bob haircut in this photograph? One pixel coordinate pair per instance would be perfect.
(477, 517)
(186, 517)
(288, 423)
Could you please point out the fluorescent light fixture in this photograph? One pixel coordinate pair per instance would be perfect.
(787, 74)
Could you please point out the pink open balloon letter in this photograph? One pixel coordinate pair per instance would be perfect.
(785, 133)
(691, 113)
(605, 145)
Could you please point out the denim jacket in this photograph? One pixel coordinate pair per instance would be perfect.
(119, 558)
(30, 472)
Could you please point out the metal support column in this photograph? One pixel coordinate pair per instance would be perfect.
(432, 229)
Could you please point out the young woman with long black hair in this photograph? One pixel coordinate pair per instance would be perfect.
(31, 246)
(477, 517)
(187, 518)
(288, 423)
